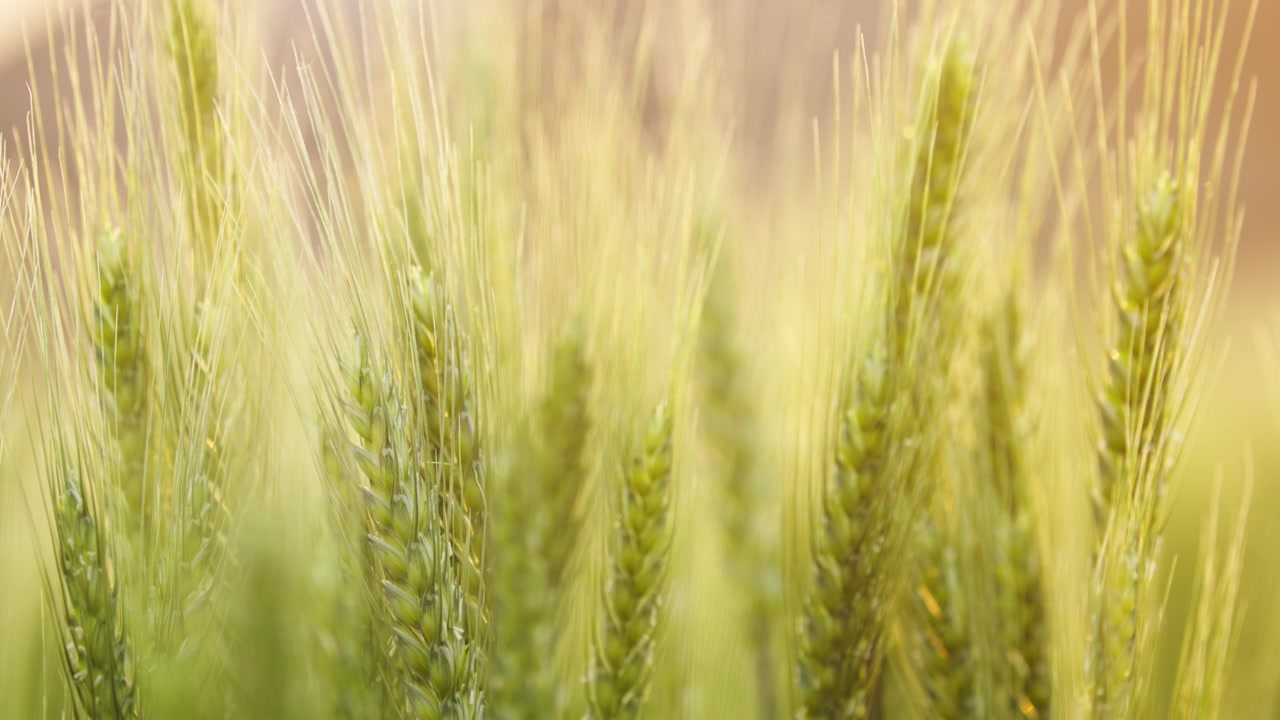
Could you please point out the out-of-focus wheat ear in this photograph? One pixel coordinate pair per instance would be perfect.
(98, 658)
(192, 45)
(563, 428)
(948, 651)
(423, 597)
(729, 418)
(846, 613)
(1136, 408)
(925, 331)
(924, 255)
(349, 635)
(520, 676)
(1005, 439)
(537, 526)
(635, 579)
(124, 377)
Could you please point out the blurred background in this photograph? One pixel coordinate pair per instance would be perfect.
(770, 47)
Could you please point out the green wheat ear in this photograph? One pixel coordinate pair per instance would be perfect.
(538, 526)
(924, 264)
(846, 612)
(117, 337)
(423, 597)
(562, 431)
(98, 659)
(1137, 427)
(353, 657)
(1004, 439)
(636, 577)
(449, 422)
(192, 45)
(1134, 406)
(729, 414)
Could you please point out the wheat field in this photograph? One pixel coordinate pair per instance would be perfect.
(495, 360)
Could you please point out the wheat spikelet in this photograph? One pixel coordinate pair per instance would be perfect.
(632, 609)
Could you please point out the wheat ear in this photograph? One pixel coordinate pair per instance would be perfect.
(729, 414)
(117, 337)
(846, 612)
(97, 654)
(1148, 301)
(635, 580)
(539, 527)
(563, 428)
(1135, 408)
(881, 474)
(1019, 578)
(424, 601)
(193, 50)
(450, 425)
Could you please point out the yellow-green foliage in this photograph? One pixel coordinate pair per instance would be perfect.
(909, 462)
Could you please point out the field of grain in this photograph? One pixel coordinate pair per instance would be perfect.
(637, 360)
